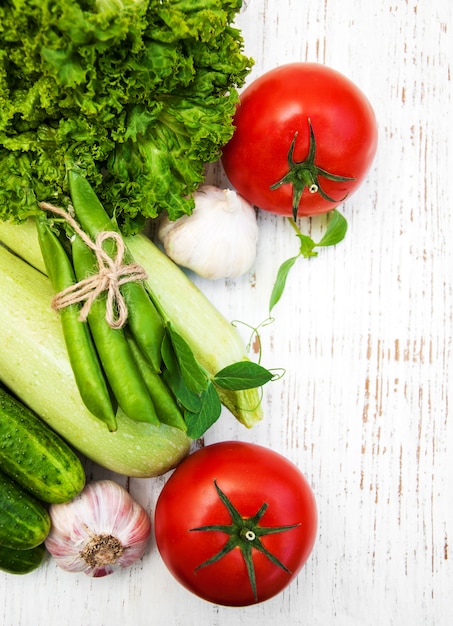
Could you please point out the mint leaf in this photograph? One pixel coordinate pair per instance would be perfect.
(306, 246)
(194, 376)
(336, 229)
(280, 281)
(184, 396)
(169, 357)
(242, 375)
(174, 376)
(208, 413)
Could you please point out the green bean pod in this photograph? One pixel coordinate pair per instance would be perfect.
(88, 209)
(166, 407)
(144, 322)
(122, 373)
(143, 319)
(82, 353)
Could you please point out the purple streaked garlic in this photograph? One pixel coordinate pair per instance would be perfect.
(100, 530)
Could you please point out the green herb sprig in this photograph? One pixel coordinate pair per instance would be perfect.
(335, 232)
(196, 391)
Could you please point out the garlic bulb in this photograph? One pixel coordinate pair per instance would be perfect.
(218, 240)
(99, 530)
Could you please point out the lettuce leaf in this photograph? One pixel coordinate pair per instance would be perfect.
(140, 94)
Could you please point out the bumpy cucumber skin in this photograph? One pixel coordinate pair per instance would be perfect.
(24, 522)
(21, 561)
(35, 456)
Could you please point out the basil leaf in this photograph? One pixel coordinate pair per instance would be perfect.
(242, 375)
(208, 413)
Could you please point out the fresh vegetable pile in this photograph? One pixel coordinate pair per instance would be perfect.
(305, 137)
(109, 112)
(112, 114)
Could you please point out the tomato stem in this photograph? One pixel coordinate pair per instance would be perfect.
(249, 535)
(244, 533)
(304, 174)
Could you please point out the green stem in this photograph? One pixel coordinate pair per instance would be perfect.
(244, 533)
(305, 174)
(294, 225)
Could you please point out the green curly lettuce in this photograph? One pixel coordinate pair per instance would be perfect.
(140, 94)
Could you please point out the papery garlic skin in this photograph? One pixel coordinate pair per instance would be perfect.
(218, 240)
(101, 529)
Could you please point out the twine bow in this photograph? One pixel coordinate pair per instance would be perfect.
(112, 272)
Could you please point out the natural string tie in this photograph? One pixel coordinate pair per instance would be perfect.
(112, 272)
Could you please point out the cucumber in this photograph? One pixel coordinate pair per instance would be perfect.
(35, 456)
(21, 561)
(24, 522)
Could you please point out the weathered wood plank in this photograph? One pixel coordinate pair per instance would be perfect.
(364, 332)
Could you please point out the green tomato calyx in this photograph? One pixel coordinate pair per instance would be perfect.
(244, 533)
(305, 174)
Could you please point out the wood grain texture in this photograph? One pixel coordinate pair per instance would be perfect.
(364, 332)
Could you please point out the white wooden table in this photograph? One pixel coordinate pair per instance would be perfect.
(365, 334)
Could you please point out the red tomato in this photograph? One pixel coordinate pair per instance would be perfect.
(276, 110)
(230, 504)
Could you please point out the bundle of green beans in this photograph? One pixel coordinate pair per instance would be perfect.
(143, 366)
